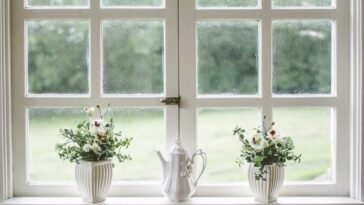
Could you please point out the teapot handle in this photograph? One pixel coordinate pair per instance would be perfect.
(204, 162)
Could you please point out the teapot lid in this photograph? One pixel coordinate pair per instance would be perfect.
(178, 148)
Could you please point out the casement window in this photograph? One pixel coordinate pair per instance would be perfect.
(230, 61)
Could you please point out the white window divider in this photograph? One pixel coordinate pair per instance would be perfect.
(5, 103)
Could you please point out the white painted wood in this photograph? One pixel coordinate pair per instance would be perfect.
(192, 201)
(338, 100)
(356, 104)
(5, 103)
(22, 101)
(187, 72)
(182, 31)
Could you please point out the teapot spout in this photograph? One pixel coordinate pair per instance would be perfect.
(163, 162)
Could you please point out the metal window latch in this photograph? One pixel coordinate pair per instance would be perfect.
(171, 100)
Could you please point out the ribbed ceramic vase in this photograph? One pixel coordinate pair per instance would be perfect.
(93, 179)
(266, 191)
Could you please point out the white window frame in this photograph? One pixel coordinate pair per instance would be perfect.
(265, 101)
(187, 111)
(22, 100)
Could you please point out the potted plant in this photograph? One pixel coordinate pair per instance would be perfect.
(267, 153)
(92, 146)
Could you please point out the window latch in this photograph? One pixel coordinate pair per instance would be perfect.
(171, 100)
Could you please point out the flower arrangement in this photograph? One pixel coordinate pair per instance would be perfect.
(265, 148)
(94, 140)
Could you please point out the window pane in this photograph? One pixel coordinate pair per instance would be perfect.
(132, 3)
(146, 126)
(215, 137)
(302, 57)
(227, 3)
(302, 3)
(310, 129)
(227, 57)
(57, 3)
(58, 57)
(133, 57)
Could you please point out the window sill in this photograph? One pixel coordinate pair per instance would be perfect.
(195, 200)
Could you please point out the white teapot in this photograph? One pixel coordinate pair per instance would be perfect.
(179, 182)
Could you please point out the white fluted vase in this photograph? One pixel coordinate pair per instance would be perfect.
(93, 179)
(266, 191)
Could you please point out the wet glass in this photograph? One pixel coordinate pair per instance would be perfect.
(310, 129)
(227, 3)
(227, 57)
(302, 3)
(215, 137)
(302, 57)
(58, 3)
(132, 3)
(133, 57)
(58, 57)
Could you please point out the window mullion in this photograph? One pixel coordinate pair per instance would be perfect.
(95, 71)
(265, 60)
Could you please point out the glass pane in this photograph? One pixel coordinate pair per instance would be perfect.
(57, 3)
(146, 126)
(227, 3)
(302, 3)
(302, 57)
(309, 127)
(215, 137)
(132, 3)
(58, 57)
(227, 57)
(133, 57)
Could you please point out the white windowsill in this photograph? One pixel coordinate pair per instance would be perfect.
(194, 200)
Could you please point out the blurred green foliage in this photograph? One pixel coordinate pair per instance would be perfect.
(70, 3)
(58, 56)
(227, 57)
(133, 57)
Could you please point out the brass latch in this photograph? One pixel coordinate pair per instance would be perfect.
(171, 100)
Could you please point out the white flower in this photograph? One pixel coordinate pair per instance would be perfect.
(72, 144)
(97, 131)
(97, 122)
(89, 110)
(256, 139)
(95, 147)
(86, 147)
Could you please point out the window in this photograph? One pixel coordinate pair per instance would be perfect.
(235, 60)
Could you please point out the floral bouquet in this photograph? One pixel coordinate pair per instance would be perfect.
(93, 140)
(265, 148)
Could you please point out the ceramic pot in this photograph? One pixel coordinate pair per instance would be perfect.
(93, 179)
(266, 191)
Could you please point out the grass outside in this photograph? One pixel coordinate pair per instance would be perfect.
(309, 127)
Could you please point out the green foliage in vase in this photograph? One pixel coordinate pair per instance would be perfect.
(94, 140)
(265, 148)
